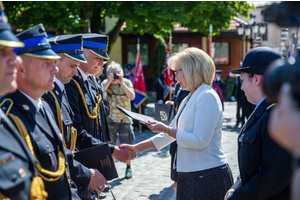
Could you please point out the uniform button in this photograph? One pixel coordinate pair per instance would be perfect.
(67, 120)
(201, 177)
(48, 146)
(14, 177)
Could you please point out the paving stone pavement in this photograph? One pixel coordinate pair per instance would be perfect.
(151, 169)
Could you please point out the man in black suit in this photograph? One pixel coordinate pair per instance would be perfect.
(84, 101)
(265, 169)
(69, 48)
(17, 170)
(243, 105)
(31, 115)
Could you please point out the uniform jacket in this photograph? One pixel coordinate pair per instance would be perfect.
(104, 107)
(87, 135)
(80, 174)
(15, 174)
(45, 137)
(265, 168)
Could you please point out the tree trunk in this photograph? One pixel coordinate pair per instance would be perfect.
(114, 33)
(85, 15)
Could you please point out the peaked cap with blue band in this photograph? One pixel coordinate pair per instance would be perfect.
(257, 60)
(96, 43)
(70, 45)
(36, 43)
(7, 38)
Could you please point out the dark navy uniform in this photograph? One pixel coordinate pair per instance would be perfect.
(80, 174)
(46, 141)
(265, 168)
(104, 107)
(178, 96)
(16, 162)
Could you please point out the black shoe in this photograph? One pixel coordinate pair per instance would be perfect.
(128, 173)
(106, 188)
(101, 196)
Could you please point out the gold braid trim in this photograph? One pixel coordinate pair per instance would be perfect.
(95, 109)
(73, 139)
(54, 176)
(37, 189)
(270, 106)
(2, 197)
(59, 117)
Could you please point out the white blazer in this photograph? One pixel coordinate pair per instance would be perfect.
(199, 132)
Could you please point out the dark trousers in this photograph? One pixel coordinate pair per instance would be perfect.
(243, 111)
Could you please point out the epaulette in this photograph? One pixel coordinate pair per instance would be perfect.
(6, 105)
(271, 106)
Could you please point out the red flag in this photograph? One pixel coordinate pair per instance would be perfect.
(168, 73)
(139, 83)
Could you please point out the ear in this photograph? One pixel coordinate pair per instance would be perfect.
(258, 79)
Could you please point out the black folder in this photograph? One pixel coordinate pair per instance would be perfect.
(164, 113)
(139, 117)
(98, 157)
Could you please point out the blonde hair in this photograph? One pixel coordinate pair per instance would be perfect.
(197, 66)
(114, 66)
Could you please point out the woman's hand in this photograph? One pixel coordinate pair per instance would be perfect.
(157, 127)
(130, 147)
(230, 191)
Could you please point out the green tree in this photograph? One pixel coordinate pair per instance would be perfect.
(159, 57)
(153, 17)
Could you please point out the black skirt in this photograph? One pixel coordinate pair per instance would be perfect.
(209, 184)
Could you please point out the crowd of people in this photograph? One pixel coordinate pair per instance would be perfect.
(54, 105)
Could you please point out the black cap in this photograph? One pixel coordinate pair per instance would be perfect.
(70, 45)
(96, 43)
(7, 38)
(257, 60)
(36, 43)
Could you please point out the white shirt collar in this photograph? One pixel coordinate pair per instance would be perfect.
(82, 74)
(36, 104)
(60, 85)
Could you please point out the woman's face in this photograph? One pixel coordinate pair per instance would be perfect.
(179, 76)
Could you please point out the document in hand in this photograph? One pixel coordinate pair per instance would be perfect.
(98, 157)
(139, 117)
(164, 113)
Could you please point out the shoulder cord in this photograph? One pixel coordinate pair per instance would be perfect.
(95, 109)
(270, 106)
(176, 108)
(54, 176)
(60, 123)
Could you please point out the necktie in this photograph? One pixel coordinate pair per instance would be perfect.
(42, 111)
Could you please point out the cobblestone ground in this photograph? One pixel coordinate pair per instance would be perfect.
(151, 169)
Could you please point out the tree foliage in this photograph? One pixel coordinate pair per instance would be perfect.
(153, 17)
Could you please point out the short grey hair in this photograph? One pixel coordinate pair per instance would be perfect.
(114, 66)
(197, 66)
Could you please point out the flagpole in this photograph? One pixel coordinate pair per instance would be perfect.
(170, 43)
(140, 106)
(210, 40)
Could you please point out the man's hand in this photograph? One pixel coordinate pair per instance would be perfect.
(123, 154)
(97, 182)
(170, 102)
(229, 192)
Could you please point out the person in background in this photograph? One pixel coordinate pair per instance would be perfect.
(178, 97)
(127, 68)
(162, 90)
(243, 105)
(265, 172)
(119, 93)
(203, 170)
(218, 79)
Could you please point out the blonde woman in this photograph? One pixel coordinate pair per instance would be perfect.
(203, 172)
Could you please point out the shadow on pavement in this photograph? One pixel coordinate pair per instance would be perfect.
(166, 193)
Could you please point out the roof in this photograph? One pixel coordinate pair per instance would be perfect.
(234, 23)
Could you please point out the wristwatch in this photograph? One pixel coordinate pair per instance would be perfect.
(168, 131)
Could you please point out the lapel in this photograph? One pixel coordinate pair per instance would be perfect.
(10, 136)
(255, 115)
(27, 107)
(84, 87)
(61, 98)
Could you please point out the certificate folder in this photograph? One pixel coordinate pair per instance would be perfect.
(139, 117)
(98, 157)
(164, 113)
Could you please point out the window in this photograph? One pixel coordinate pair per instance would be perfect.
(220, 53)
(179, 47)
(132, 51)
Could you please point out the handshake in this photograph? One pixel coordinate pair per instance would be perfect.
(124, 153)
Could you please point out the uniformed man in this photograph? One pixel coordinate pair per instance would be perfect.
(84, 102)
(30, 114)
(17, 172)
(69, 48)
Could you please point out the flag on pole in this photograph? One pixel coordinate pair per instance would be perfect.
(168, 73)
(139, 83)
